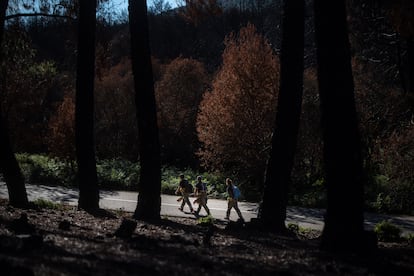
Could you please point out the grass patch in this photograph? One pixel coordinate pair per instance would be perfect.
(46, 204)
(204, 221)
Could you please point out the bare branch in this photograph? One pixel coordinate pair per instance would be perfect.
(16, 15)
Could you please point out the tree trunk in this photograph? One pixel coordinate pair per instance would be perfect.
(342, 154)
(84, 116)
(410, 65)
(8, 163)
(149, 188)
(272, 211)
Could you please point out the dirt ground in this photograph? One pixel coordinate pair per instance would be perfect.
(66, 241)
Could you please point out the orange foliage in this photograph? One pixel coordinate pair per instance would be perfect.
(178, 94)
(116, 131)
(61, 138)
(236, 118)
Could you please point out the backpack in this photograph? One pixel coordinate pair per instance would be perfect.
(188, 187)
(236, 192)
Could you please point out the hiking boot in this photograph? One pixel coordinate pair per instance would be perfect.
(181, 209)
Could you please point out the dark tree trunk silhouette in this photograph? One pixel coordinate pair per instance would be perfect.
(85, 75)
(8, 163)
(272, 213)
(410, 65)
(149, 188)
(342, 153)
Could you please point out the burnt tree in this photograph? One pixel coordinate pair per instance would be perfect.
(149, 186)
(8, 163)
(272, 212)
(343, 228)
(84, 111)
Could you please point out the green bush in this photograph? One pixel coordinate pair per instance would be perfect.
(293, 227)
(116, 174)
(387, 232)
(170, 179)
(410, 238)
(46, 204)
(395, 198)
(208, 220)
(41, 169)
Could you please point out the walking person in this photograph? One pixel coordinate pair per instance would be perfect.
(185, 189)
(232, 199)
(201, 194)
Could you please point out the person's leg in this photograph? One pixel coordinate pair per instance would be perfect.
(187, 200)
(236, 207)
(182, 203)
(207, 209)
(229, 206)
(198, 208)
(203, 203)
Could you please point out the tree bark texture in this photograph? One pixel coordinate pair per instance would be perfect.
(149, 188)
(272, 212)
(84, 114)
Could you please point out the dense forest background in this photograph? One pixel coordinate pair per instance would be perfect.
(216, 73)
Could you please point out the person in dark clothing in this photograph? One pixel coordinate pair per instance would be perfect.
(201, 194)
(185, 191)
(232, 200)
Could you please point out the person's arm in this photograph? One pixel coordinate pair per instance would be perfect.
(230, 191)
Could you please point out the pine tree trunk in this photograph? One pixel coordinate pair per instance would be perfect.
(272, 212)
(342, 153)
(149, 188)
(8, 163)
(84, 116)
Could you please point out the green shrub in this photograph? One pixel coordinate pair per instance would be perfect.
(293, 227)
(170, 179)
(46, 204)
(382, 203)
(118, 174)
(410, 238)
(387, 232)
(41, 169)
(208, 220)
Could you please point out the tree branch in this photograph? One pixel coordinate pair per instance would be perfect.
(16, 15)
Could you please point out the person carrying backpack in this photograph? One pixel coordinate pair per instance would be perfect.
(185, 189)
(232, 199)
(201, 194)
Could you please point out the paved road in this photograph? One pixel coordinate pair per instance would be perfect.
(116, 200)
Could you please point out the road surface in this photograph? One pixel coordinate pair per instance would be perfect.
(122, 200)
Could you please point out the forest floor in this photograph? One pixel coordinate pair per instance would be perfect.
(65, 241)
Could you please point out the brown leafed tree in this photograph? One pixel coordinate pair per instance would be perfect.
(61, 138)
(115, 116)
(8, 163)
(149, 187)
(344, 219)
(272, 212)
(84, 114)
(179, 93)
(236, 118)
